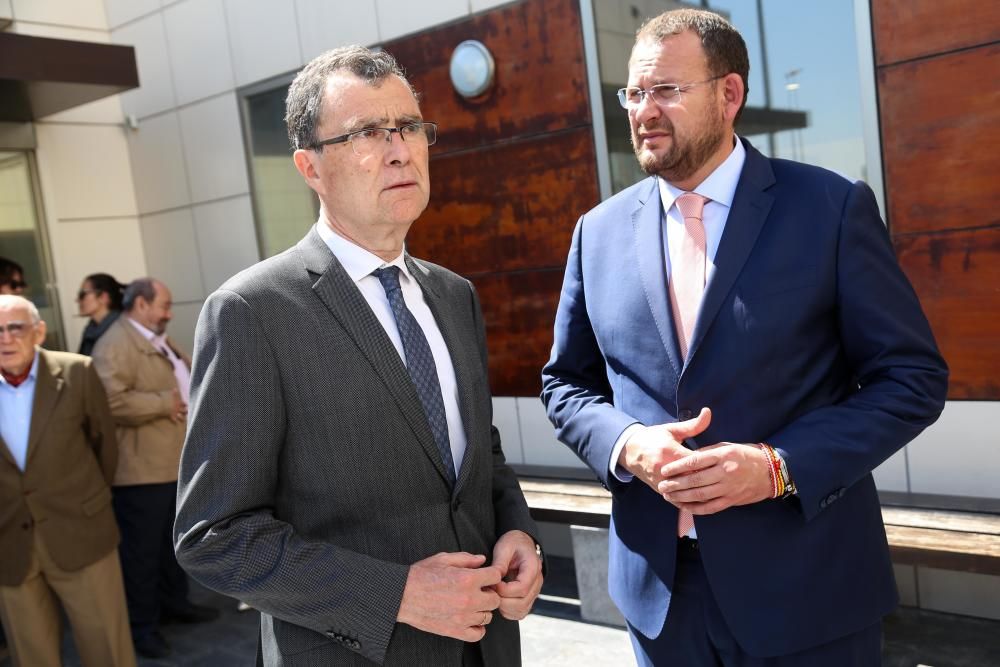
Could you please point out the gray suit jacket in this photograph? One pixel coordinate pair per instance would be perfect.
(310, 480)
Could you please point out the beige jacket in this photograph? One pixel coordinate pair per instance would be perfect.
(140, 383)
(62, 494)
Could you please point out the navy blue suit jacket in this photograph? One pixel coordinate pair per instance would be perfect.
(809, 338)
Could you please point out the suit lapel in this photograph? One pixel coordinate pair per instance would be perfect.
(461, 358)
(751, 205)
(49, 383)
(647, 223)
(345, 302)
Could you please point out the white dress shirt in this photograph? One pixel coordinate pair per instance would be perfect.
(720, 188)
(359, 265)
(16, 404)
(181, 371)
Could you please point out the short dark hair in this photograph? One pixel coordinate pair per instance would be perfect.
(8, 270)
(304, 104)
(144, 287)
(724, 47)
(105, 283)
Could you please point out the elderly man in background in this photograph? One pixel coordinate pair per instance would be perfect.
(147, 379)
(57, 528)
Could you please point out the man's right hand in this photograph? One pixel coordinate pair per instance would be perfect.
(449, 594)
(652, 447)
(179, 410)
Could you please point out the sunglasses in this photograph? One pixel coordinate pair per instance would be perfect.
(17, 284)
(82, 294)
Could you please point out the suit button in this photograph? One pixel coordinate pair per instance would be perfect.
(455, 504)
(684, 415)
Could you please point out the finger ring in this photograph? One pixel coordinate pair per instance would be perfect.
(486, 618)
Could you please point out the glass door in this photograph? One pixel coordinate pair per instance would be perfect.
(22, 239)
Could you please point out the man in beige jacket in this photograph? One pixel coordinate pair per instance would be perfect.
(57, 529)
(147, 378)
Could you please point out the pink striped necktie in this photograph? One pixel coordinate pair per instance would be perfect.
(687, 284)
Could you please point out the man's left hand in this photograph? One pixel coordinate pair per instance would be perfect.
(515, 555)
(717, 477)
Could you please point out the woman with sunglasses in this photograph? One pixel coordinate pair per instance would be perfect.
(100, 299)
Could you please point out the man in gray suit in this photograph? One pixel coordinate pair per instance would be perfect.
(341, 472)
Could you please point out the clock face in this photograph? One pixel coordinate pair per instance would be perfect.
(471, 69)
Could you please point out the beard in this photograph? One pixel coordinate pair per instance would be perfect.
(685, 156)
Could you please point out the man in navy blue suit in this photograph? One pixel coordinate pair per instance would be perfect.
(736, 349)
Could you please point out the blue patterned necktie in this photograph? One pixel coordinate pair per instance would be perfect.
(420, 364)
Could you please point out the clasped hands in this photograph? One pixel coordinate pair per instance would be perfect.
(704, 481)
(456, 594)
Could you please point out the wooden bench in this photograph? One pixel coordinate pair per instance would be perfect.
(946, 539)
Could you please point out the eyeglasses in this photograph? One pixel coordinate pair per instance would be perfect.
(17, 284)
(372, 139)
(16, 329)
(664, 94)
(82, 294)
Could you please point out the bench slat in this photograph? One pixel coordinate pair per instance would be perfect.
(943, 539)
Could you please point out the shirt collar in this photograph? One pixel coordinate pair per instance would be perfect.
(719, 186)
(32, 374)
(158, 340)
(357, 262)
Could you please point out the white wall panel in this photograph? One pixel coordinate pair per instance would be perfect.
(156, 87)
(83, 247)
(505, 419)
(181, 328)
(959, 592)
(198, 44)
(227, 242)
(959, 454)
(123, 11)
(263, 37)
(172, 254)
(325, 25)
(891, 475)
(80, 13)
(158, 164)
(89, 170)
(213, 149)
(538, 437)
(402, 17)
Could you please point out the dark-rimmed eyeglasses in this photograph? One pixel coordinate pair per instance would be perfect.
(371, 139)
(16, 284)
(664, 94)
(82, 294)
(16, 329)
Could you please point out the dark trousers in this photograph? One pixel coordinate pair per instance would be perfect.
(696, 635)
(153, 579)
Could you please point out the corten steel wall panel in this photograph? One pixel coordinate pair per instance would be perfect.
(907, 29)
(940, 136)
(541, 76)
(509, 207)
(510, 174)
(957, 275)
(939, 116)
(519, 327)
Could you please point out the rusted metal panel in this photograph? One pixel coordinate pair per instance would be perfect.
(541, 77)
(957, 275)
(907, 29)
(941, 132)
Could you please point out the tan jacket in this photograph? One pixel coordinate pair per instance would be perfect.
(63, 492)
(140, 383)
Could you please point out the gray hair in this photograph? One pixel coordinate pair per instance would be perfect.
(144, 287)
(304, 104)
(724, 47)
(15, 301)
